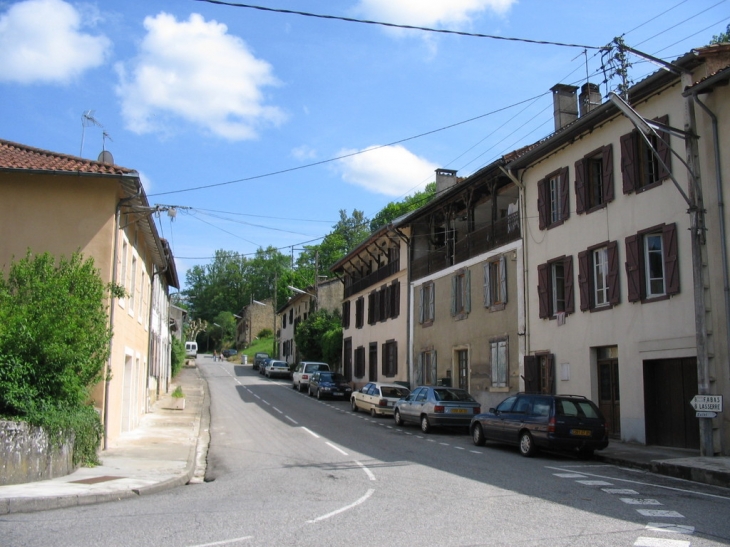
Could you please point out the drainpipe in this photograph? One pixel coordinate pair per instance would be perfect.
(409, 358)
(112, 308)
(721, 212)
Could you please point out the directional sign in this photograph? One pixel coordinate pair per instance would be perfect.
(705, 414)
(708, 403)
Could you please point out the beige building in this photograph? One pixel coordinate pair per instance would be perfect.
(609, 272)
(59, 204)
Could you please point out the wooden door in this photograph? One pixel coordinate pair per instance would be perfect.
(609, 400)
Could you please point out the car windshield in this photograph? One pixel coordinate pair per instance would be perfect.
(279, 364)
(395, 392)
(452, 395)
(331, 377)
(584, 409)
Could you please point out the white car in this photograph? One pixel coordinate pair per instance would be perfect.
(377, 398)
(278, 369)
(301, 375)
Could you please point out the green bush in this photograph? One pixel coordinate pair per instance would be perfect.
(265, 333)
(177, 355)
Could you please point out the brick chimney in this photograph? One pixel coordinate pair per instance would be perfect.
(445, 178)
(565, 105)
(589, 98)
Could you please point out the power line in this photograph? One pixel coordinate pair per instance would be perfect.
(393, 25)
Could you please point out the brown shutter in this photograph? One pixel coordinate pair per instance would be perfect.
(580, 187)
(569, 292)
(614, 290)
(564, 194)
(633, 273)
(543, 294)
(531, 376)
(550, 362)
(662, 148)
(584, 285)
(607, 169)
(671, 262)
(542, 203)
(628, 162)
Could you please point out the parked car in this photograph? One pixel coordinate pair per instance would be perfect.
(303, 371)
(277, 369)
(258, 358)
(432, 406)
(191, 350)
(329, 384)
(229, 353)
(560, 422)
(377, 398)
(264, 363)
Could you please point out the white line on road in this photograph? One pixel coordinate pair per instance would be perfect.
(595, 483)
(292, 420)
(367, 471)
(660, 513)
(670, 527)
(624, 491)
(459, 448)
(265, 402)
(343, 509)
(336, 448)
(640, 501)
(476, 452)
(660, 542)
(224, 542)
(312, 433)
(279, 411)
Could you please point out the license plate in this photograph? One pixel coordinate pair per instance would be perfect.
(458, 411)
(581, 432)
(337, 394)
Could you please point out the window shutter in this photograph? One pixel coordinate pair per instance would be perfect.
(371, 308)
(633, 273)
(614, 289)
(434, 368)
(420, 305)
(663, 149)
(671, 262)
(607, 170)
(569, 295)
(467, 291)
(584, 285)
(453, 295)
(395, 308)
(503, 279)
(564, 194)
(432, 303)
(531, 374)
(419, 370)
(580, 187)
(487, 287)
(543, 296)
(542, 203)
(628, 162)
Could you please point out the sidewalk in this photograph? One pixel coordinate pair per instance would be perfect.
(161, 453)
(169, 447)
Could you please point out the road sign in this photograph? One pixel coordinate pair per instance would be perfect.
(708, 403)
(704, 414)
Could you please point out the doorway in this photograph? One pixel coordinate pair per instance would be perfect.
(609, 398)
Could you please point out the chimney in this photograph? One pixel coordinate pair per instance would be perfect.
(445, 178)
(565, 105)
(590, 98)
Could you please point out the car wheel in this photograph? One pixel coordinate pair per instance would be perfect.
(373, 413)
(527, 445)
(319, 397)
(397, 418)
(353, 404)
(299, 387)
(293, 385)
(477, 435)
(425, 424)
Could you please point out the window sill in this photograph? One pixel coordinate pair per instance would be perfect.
(601, 308)
(655, 299)
(427, 324)
(596, 208)
(497, 307)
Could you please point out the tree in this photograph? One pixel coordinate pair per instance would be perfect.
(395, 209)
(722, 37)
(317, 337)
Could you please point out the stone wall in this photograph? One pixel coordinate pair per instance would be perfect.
(27, 455)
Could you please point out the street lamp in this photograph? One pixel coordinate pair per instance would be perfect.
(300, 291)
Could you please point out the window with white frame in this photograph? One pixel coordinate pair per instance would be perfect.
(426, 305)
(652, 265)
(426, 368)
(133, 286)
(461, 294)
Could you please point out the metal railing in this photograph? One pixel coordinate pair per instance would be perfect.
(358, 285)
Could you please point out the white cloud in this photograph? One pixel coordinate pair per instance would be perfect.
(196, 71)
(391, 170)
(41, 41)
(431, 12)
(304, 152)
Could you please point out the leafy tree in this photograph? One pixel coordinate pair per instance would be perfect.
(395, 209)
(225, 330)
(311, 334)
(722, 37)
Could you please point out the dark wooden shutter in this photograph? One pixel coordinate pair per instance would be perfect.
(550, 365)
(633, 272)
(614, 289)
(531, 376)
(580, 187)
(628, 162)
(542, 203)
(584, 285)
(543, 288)
(671, 262)
(569, 292)
(564, 194)
(662, 148)
(607, 170)
(371, 308)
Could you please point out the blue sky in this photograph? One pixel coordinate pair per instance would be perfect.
(193, 94)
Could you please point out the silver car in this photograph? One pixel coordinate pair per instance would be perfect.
(432, 406)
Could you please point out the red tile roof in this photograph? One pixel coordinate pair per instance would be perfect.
(20, 156)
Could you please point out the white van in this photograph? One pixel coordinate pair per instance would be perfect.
(191, 350)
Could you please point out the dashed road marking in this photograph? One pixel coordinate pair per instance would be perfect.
(660, 542)
(312, 433)
(624, 491)
(292, 420)
(279, 411)
(640, 501)
(336, 448)
(670, 527)
(595, 483)
(570, 475)
(660, 513)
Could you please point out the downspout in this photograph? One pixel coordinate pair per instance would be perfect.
(721, 211)
(112, 308)
(409, 356)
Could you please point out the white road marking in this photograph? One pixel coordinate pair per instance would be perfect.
(624, 491)
(660, 542)
(279, 411)
(292, 420)
(670, 528)
(640, 501)
(660, 513)
(595, 483)
(367, 471)
(459, 448)
(343, 509)
(444, 444)
(476, 452)
(336, 448)
(312, 433)
(570, 475)
(256, 396)
(265, 402)
(224, 542)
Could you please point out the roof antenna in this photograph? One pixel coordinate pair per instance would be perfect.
(105, 156)
(87, 119)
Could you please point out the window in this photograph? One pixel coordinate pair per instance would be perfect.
(133, 286)
(555, 287)
(640, 168)
(394, 299)
(426, 306)
(283, 321)
(461, 294)
(553, 203)
(495, 283)
(426, 368)
(598, 277)
(500, 365)
(462, 362)
(359, 312)
(652, 266)
(359, 362)
(594, 180)
(373, 362)
(345, 315)
(123, 279)
(373, 308)
(390, 358)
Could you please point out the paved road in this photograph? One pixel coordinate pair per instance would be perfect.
(288, 470)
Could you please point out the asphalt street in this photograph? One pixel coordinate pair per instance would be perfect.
(287, 470)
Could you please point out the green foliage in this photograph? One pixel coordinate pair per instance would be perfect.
(311, 334)
(265, 333)
(178, 393)
(722, 37)
(177, 355)
(258, 345)
(395, 209)
(332, 346)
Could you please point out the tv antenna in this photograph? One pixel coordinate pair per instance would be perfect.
(87, 120)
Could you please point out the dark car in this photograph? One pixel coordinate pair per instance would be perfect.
(329, 384)
(258, 358)
(432, 406)
(228, 353)
(557, 422)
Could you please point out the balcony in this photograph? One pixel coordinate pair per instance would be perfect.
(359, 285)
